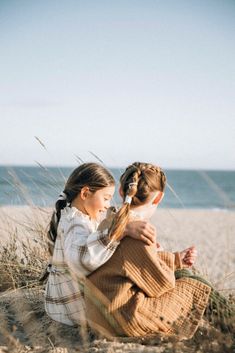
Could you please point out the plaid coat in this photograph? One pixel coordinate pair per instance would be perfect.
(81, 247)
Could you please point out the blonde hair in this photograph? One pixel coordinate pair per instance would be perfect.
(137, 182)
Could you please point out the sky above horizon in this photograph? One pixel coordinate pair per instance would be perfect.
(126, 80)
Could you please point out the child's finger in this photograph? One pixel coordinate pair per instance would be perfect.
(149, 231)
(192, 252)
(192, 248)
(193, 255)
(146, 239)
(189, 259)
(190, 256)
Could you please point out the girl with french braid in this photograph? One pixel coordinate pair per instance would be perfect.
(142, 188)
(141, 291)
(136, 190)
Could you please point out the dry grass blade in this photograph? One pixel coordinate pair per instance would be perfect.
(96, 157)
(227, 203)
(175, 194)
(41, 143)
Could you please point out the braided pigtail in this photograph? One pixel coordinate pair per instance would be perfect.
(52, 233)
(161, 178)
(130, 188)
(138, 182)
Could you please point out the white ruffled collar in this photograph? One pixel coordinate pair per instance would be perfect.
(71, 212)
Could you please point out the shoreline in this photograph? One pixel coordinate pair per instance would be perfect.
(213, 209)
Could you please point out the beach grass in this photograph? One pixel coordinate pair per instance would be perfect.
(26, 328)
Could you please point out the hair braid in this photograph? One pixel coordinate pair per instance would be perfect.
(130, 181)
(137, 183)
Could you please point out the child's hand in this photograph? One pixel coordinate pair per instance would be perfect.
(188, 256)
(141, 230)
(108, 220)
(159, 247)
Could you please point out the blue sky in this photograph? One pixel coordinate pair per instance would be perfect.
(128, 80)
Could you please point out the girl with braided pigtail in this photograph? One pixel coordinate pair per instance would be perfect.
(141, 291)
(137, 183)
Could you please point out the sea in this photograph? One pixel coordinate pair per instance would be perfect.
(188, 189)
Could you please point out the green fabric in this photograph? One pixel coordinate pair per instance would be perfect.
(187, 273)
(219, 312)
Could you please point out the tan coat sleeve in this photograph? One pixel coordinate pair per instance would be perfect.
(178, 261)
(168, 259)
(151, 272)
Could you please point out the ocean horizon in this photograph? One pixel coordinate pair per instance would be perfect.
(186, 188)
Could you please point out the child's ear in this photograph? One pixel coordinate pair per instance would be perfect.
(158, 198)
(84, 192)
(120, 191)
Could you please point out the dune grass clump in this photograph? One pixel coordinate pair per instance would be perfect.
(21, 270)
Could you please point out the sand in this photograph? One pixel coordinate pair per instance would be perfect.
(211, 231)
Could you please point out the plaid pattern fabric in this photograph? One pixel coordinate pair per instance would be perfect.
(81, 247)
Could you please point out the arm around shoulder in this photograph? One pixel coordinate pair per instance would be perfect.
(88, 250)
